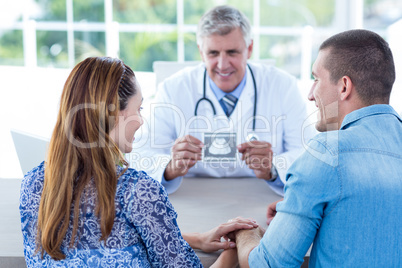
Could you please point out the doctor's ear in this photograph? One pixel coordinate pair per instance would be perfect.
(250, 49)
(200, 50)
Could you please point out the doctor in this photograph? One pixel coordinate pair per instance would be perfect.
(258, 108)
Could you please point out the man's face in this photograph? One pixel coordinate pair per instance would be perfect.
(225, 58)
(325, 94)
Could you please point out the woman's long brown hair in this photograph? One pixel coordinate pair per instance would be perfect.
(80, 150)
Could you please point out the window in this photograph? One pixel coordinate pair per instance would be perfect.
(60, 33)
(380, 14)
(11, 50)
(140, 32)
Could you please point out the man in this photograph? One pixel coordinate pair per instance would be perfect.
(224, 96)
(344, 193)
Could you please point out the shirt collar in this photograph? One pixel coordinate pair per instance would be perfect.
(368, 111)
(219, 93)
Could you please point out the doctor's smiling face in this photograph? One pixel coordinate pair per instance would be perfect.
(225, 57)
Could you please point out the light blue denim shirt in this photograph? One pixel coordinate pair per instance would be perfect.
(344, 194)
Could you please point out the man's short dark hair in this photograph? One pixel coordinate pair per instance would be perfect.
(365, 57)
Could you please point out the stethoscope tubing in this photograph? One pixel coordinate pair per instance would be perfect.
(204, 97)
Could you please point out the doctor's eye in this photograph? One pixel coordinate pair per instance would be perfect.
(232, 52)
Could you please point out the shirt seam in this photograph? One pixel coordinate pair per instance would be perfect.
(357, 150)
(327, 147)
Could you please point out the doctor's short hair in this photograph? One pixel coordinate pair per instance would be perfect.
(222, 20)
(365, 57)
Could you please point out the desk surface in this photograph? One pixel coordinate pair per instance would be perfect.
(204, 203)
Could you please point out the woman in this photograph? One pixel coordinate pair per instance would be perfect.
(84, 206)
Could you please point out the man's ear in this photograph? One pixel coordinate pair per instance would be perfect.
(347, 88)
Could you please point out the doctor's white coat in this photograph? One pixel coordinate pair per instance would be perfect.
(281, 120)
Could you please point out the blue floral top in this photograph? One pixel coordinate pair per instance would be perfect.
(144, 234)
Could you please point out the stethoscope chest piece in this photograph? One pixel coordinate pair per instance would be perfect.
(252, 137)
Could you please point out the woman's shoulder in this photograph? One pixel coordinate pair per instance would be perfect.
(36, 170)
(35, 175)
(132, 178)
(131, 175)
(31, 188)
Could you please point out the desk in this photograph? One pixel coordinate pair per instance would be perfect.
(204, 203)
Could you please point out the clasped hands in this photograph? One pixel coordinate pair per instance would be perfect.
(222, 236)
(212, 240)
(187, 150)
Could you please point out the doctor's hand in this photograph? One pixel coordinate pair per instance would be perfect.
(258, 157)
(186, 151)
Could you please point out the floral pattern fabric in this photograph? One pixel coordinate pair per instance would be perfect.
(144, 234)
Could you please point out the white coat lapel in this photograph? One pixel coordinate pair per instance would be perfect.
(245, 105)
(200, 78)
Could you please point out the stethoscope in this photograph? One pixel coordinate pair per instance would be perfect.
(250, 137)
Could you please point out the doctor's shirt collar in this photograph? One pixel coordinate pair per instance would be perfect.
(219, 93)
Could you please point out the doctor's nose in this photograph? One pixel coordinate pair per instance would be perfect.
(223, 62)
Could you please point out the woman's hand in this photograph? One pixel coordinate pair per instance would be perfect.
(212, 240)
